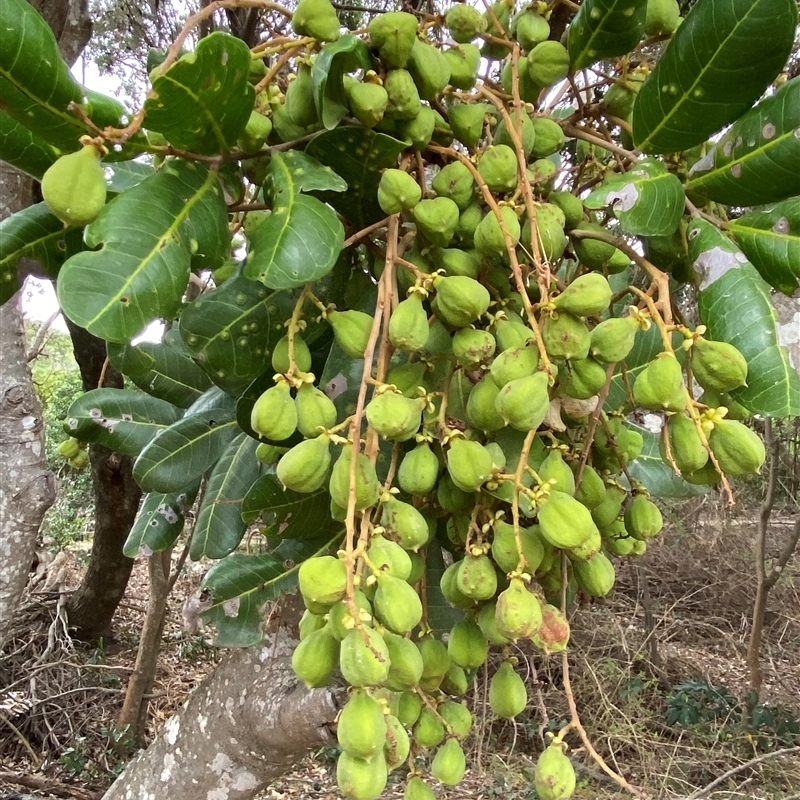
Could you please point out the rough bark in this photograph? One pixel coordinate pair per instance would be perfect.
(246, 725)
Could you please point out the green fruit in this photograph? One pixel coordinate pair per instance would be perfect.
(448, 584)
(564, 521)
(587, 296)
(606, 512)
(718, 366)
(514, 363)
(686, 447)
(280, 355)
(587, 549)
(463, 60)
(528, 134)
(316, 18)
(69, 448)
(418, 470)
(613, 339)
(458, 262)
(418, 130)
(619, 99)
(457, 716)
(548, 63)
(404, 102)
(394, 416)
(407, 378)
(341, 619)
(548, 137)
(460, 300)
(570, 205)
(256, 132)
(304, 468)
(315, 410)
(406, 663)
(466, 121)
(523, 402)
(467, 646)
(449, 764)
(471, 347)
(450, 497)
(507, 694)
(405, 523)
(582, 378)
(518, 612)
(663, 16)
(541, 174)
(364, 658)
(352, 330)
(566, 336)
(529, 28)
(489, 239)
(396, 604)
(300, 104)
(464, 22)
(393, 34)
(592, 253)
(316, 657)
(79, 461)
(436, 663)
(397, 745)
(361, 729)
(429, 730)
(417, 789)
(591, 490)
(529, 91)
(511, 333)
(309, 623)
(550, 237)
(429, 69)
(398, 191)
(555, 471)
(368, 102)
(387, 556)
(274, 414)
(437, 219)
(467, 223)
(367, 486)
(498, 168)
(488, 624)
(359, 779)
(481, 410)
(554, 775)
(659, 386)
(643, 518)
(737, 448)
(476, 577)
(409, 707)
(553, 634)
(455, 682)
(469, 464)
(595, 576)
(74, 186)
(504, 548)
(322, 580)
(455, 182)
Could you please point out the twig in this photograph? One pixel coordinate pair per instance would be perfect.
(26, 744)
(358, 235)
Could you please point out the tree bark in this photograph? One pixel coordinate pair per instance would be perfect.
(247, 724)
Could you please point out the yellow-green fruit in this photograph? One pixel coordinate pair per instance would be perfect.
(588, 548)
(351, 329)
(315, 410)
(455, 683)
(435, 661)
(405, 523)
(437, 219)
(463, 60)
(467, 646)
(368, 102)
(548, 137)
(504, 548)
(476, 577)
(555, 471)
(300, 104)
(367, 485)
(397, 745)
(570, 205)
(613, 339)
(364, 658)
(604, 513)
(529, 91)
(460, 300)
(591, 490)
(387, 556)
(527, 136)
(507, 694)
(304, 468)
(457, 716)
(498, 168)
(429, 69)
(449, 587)
(464, 22)
(316, 657)
(548, 63)
(549, 231)
(418, 130)
(316, 18)
(458, 262)
(643, 518)
(529, 28)
(511, 332)
(274, 414)
(408, 377)
(619, 99)
(322, 580)
(553, 634)
(469, 464)
(256, 132)
(79, 461)
(718, 366)
(309, 623)
(619, 262)
(398, 191)
(663, 16)
(659, 386)
(592, 253)
(396, 604)
(393, 34)
(394, 416)
(455, 181)
(340, 618)
(595, 576)
(523, 402)
(418, 470)
(473, 346)
(587, 296)
(565, 522)
(488, 624)
(449, 764)
(737, 448)
(409, 707)
(74, 187)
(582, 378)
(685, 445)
(268, 454)
(359, 779)
(429, 730)
(280, 355)
(489, 239)
(467, 223)
(518, 612)
(404, 102)
(417, 789)
(361, 728)
(466, 121)
(69, 448)
(541, 174)
(514, 363)
(554, 775)
(498, 19)
(406, 663)
(481, 409)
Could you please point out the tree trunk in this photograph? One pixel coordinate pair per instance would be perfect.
(246, 725)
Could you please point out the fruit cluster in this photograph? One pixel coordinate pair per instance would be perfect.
(75, 452)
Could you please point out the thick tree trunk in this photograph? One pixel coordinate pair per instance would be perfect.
(246, 725)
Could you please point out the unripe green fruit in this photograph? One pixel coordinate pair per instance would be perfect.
(418, 130)
(472, 347)
(463, 60)
(387, 556)
(488, 624)
(398, 191)
(529, 91)
(418, 470)
(309, 623)
(476, 577)
(316, 18)
(409, 707)
(618, 100)
(663, 16)
(467, 646)
(595, 576)
(507, 694)
(364, 658)
(457, 716)
(74, 187)
(518, 612)
(429, 69)
(340, 618)
(529, 28)
(316, 657)
(511, 333)
(554, 775)
(504, 548)
(361, 729)
(448, 584)
(305, 467)
(591, 490)
(686, 447)
(606, 512)
(570, 205)
(460, 300)
(548, 137)
(417, 789)
(466, 121)
(397, 745)
(368, 102)
(517, 362)
(566, 336)
(367, 485)
(396, 604)
(464, 22)
(467, 223)
(498, 168)
(455, 682)
(659, 386)
(564, 521)
(643, 518)
(489, 239)
(69, 448)
(268, 454)
(553, 634)
(613, 339)
(582, 378)
(407, 378)
(555, 471)
(450, 497)
(528, 134)
(315, 410)
(393, 34)
(587, 549)
(436, 663)
(352, 330)
(548, 63)
(481, 410)
(523, 402)
(405, 523)
(406, 669)
(322, 581)
(449, 764)
(587, 296)
(469, 464)
(737, 448)
(718, 366)
(550, 238)
(274, 414)
(300, 104)
(256, 132)
(280, 355)
(429, 730)
(394, 416)
(592, 253)
(541, 174)
(359, 779)
(455, 182)
(404, 102)
(458, 262)
(437, 219)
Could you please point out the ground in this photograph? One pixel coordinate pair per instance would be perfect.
(679, 617)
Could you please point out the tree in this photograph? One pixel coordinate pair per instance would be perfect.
(417, 296)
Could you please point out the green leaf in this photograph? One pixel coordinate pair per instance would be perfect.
(148, 238)
(23, 149)
(770, 238)
(347, 54)
(758, 160)
(203, 101)
(647, 201)
(230, 331)
(159, 522)
(185, 450)
(734, 303)
(286, 514)
(715, 67)
(308, 175)
(239, 622)
(160, 370)
(33, 240)
(121, 419)
(300, 240)
(126, 174)
(359, 155)
(219, 527)
(604, 29)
